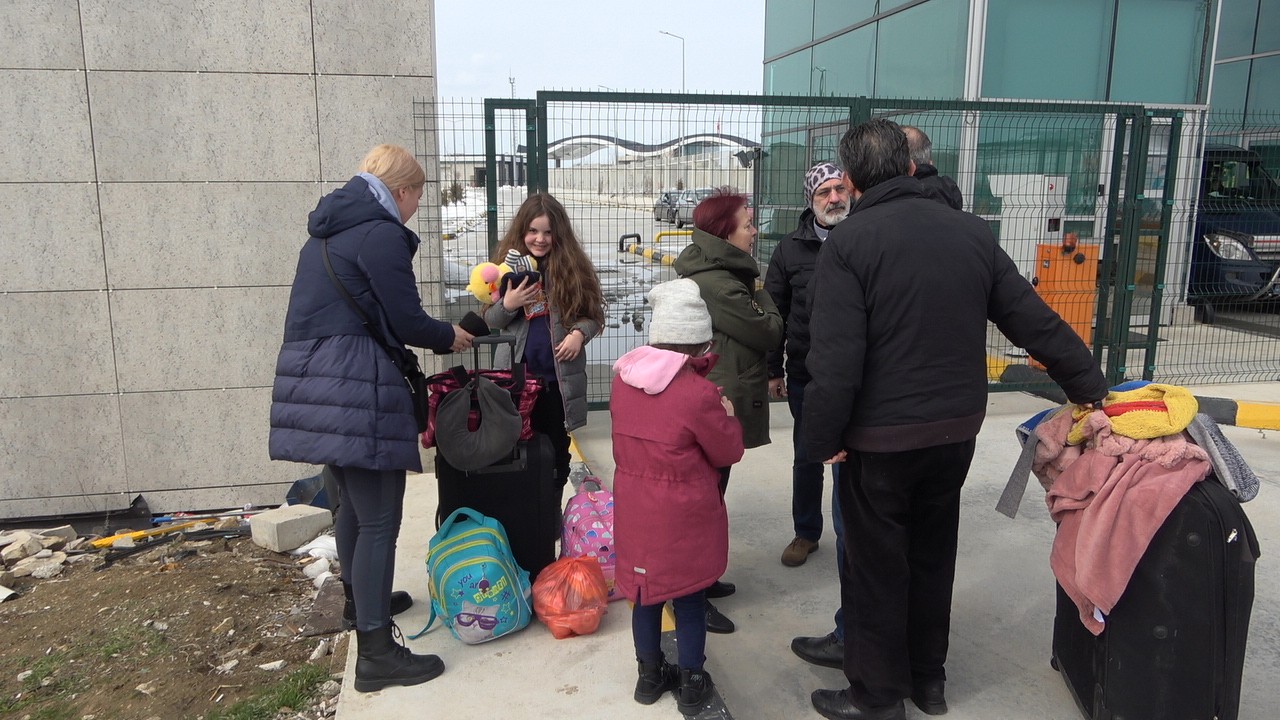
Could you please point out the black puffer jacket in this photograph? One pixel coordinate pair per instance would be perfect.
(901, 298)
(939, 187)
(787, 280)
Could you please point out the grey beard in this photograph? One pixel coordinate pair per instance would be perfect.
(831, 219)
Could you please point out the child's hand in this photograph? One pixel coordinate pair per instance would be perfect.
(570, 346)
(727, 405)
(520, 295)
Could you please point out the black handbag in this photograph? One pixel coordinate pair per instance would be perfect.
(405, 360)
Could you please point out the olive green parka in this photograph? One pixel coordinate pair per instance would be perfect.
(746, 325)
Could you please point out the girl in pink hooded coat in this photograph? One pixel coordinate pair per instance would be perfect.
(672, 431)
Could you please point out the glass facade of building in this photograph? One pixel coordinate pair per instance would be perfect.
(1155, 52)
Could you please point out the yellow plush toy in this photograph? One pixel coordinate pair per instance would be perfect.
(484, 281)
(488, 281)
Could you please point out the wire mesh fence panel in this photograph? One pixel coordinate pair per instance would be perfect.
(1121, 249)
(1226, 327)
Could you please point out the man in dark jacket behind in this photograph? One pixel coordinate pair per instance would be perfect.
(787, 281)
(936, 187)
(902, 294)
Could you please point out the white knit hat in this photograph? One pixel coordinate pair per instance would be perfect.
(680, 316)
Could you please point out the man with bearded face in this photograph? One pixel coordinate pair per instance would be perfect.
(787, 281)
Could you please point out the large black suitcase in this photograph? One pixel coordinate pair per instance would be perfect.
(1173, 646)
(521, 492)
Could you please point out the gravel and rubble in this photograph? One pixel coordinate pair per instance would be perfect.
(166, 622)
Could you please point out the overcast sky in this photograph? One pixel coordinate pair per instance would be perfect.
(580, 45)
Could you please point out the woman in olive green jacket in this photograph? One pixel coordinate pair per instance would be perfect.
(745, 321)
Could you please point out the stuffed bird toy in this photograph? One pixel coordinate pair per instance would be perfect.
(488, 281)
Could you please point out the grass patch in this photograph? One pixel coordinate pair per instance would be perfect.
(33, 691)
(294, 691)
(130, 640)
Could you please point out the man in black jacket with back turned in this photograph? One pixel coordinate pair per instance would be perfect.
(902, 293)
(934, 186)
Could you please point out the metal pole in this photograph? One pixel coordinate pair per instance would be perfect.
(682, 86)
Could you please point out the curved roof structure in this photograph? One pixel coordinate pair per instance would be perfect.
(580, 146)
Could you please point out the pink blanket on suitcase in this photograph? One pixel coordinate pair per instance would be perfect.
(1108, 500)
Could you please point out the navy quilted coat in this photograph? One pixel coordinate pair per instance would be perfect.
(338, 399)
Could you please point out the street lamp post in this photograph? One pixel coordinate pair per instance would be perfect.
(682, 66)
(615, 125)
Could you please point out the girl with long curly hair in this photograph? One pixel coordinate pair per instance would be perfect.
(553, 319)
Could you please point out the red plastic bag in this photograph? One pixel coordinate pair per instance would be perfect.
(570, 596)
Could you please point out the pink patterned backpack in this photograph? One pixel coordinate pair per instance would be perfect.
(588, 529)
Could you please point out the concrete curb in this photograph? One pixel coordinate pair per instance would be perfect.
(1224, 411)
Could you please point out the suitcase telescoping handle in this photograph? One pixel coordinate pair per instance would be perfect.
(493, 340)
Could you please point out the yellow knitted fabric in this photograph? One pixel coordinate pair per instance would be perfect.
(1180, 409)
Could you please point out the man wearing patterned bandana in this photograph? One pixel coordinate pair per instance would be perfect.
(787, 280)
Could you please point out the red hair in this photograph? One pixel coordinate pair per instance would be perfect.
(718, 213)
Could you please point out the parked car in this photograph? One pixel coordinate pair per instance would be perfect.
(686, 202)
(1235, 254)
(664, 208)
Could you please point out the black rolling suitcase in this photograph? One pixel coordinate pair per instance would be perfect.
(1173, 647)
(520, 491)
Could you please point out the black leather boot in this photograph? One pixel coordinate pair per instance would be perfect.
(381, 662)
(655, 679)
(400, 601)
(694, 692)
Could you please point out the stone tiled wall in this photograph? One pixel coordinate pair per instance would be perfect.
(157, 163)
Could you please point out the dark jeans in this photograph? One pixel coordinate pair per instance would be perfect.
(365, 530)
(691, 630)
(806, 489)
(547, 417)
(902, 513)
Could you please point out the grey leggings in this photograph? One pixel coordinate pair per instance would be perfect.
(371, 505)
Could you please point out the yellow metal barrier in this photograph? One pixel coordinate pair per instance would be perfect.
(671, 233)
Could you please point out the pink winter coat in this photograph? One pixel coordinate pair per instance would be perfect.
(670, 436)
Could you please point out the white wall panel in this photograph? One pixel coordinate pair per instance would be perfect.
(198, 338)
(271, 36)
(215, 234)
(154, 127)
(50, 239)
(55, 344)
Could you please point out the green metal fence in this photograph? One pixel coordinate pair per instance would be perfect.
(1098, 205)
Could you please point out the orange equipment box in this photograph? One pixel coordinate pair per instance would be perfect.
(1067, 279)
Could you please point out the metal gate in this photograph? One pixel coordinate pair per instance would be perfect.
(1094, 202)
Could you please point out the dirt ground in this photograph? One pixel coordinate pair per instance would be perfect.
(176, 632)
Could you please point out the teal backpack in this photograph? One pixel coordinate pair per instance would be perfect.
(476, 587)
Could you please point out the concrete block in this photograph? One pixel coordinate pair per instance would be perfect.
(289, 526)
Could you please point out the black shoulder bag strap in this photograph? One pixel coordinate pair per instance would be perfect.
(374, 331)
(406, 361)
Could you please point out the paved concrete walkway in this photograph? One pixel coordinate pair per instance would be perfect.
(1002, 619)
